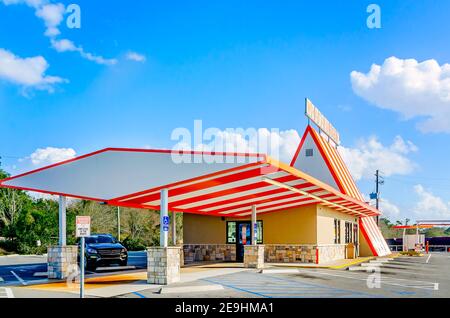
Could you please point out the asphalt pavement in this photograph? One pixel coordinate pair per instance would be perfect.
(402, 277)
(29, 269)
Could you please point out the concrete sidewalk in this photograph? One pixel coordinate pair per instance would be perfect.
(339, 264)
(119, 284)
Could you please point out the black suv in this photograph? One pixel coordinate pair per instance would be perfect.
(104, 249)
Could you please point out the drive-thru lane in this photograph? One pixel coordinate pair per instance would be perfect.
(25, 270)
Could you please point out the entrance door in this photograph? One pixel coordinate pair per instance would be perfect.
(244, 237)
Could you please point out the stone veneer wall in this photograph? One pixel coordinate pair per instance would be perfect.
(61, 261)
(163, 265)
(254, 256)
(290, 253)
(209, 252)
(293, 253)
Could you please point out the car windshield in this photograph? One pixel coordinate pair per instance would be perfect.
(100, 239)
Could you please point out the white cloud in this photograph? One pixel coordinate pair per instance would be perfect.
(370, 155)
(280, 145)
(30, 3)
(65, 45)
(46, 156)
(52, 15)
(429, 205)
(28, 72)
(389, 209)
(134, 56)
(411, 88)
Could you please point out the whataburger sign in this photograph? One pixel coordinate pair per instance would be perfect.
(313, 113)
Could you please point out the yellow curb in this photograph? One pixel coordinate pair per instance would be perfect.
(347, 264)
(92, 283)
(355, 262)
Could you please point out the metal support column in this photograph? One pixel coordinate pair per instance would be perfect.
(164, 219)
(62, 221)
(118, 223)
(254, 226)
(174, 228)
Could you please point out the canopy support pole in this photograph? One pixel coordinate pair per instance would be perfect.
(164, 216)
(62, 221)
(254, 226)
(174, 228)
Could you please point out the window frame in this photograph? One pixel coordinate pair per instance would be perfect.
(337, 231)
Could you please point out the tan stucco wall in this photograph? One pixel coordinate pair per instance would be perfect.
(293, 226)
(364, 249)
(312, 224)
(325, 224)
(202, 229)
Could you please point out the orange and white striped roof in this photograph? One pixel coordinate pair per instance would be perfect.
(373, 237)
(134, 178)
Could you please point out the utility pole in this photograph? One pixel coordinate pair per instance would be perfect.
(378, 182)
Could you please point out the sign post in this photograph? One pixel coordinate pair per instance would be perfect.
(83, 229)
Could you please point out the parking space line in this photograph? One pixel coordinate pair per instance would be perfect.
(236, 288)
(18, 278)
(271, 286)
(428, 259)
(6, 292)
(139, 294)
(390, 281)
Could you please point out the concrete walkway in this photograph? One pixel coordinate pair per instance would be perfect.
(119, 284)
(339, 264)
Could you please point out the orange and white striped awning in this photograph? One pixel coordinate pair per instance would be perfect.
(134, 178)
(267, 184)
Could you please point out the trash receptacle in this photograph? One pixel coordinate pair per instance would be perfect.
(350, 251)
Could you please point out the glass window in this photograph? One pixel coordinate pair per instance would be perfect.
(347, 232)
(355, 233)
(259, 233)
(231, 232)
(351, 232)
(337, 231)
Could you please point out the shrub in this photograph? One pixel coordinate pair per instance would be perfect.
(134, 244)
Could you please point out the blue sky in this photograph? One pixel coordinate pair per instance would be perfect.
(233, 65)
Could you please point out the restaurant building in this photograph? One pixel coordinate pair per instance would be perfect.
(238, 207)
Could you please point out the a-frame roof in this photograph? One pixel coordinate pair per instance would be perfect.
(333, 160)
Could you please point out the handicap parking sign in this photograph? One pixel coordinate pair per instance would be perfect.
(165, 223)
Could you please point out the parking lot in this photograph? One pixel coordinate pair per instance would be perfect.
(25, 270)
(402, 277)
(426, 276)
